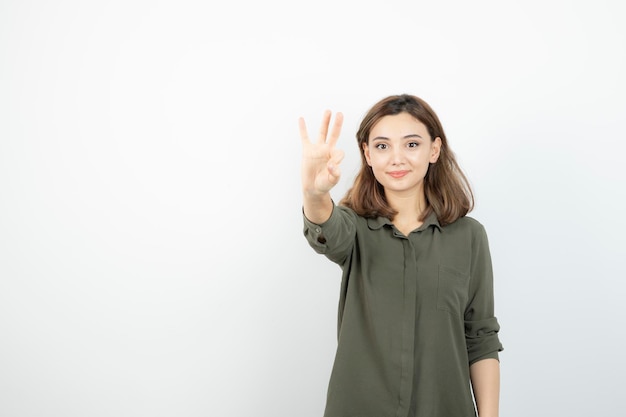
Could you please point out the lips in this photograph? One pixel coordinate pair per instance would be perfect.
(398, 174)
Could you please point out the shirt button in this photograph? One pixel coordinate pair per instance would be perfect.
(318, 230)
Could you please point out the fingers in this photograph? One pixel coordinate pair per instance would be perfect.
(324, 127)
(303, 133)
(334, 172)
(333, 165)
(336, 129)
(336, 156)
(323, 136)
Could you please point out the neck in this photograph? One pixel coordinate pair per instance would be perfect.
(408, 206)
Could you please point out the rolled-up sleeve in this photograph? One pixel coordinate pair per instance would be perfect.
(481, 326)
(333, 238)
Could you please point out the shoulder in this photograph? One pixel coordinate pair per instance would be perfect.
(465, 222)
(466, 226)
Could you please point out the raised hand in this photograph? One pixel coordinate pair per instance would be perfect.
(320, 159)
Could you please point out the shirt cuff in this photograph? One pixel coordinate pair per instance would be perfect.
(315, 232)
(482, 340)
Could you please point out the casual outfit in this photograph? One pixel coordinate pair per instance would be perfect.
(414, 313)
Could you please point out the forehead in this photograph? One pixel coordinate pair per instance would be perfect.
(398, 125)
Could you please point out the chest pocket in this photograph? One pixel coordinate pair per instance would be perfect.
(452, 289)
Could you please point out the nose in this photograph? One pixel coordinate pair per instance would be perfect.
(397, 157)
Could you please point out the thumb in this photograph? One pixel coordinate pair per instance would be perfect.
(334, 171)
(337, 156)
(333, 164)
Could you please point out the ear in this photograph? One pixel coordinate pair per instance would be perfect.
(435, 150)
(366, 152)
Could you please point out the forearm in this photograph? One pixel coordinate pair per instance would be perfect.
(317, 208)
(485, 376)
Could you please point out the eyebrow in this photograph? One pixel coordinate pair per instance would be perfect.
(411, 136)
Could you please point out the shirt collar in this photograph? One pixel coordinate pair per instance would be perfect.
(430, 220)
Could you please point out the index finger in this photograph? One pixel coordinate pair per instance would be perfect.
(302, 127)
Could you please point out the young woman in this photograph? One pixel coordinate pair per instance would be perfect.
(417, 334)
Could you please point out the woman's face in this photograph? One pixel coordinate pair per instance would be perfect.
(399, 151)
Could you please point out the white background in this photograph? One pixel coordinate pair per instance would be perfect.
(152, 261)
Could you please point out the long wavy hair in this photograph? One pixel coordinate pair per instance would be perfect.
(448, 192)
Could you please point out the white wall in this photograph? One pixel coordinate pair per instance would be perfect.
(152, 261)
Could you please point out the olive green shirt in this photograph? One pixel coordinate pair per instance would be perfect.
(414, 313)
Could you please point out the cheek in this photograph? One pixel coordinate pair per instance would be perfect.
(376, 162)
(378, 169)
(421, 158)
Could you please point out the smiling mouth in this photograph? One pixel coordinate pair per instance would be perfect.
(398, 174)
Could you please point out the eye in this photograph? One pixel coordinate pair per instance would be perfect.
(381, 146)
(412, 144)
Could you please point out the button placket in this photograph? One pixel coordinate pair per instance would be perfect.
(408, 327)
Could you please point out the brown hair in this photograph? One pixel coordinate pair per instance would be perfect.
(447, 190)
